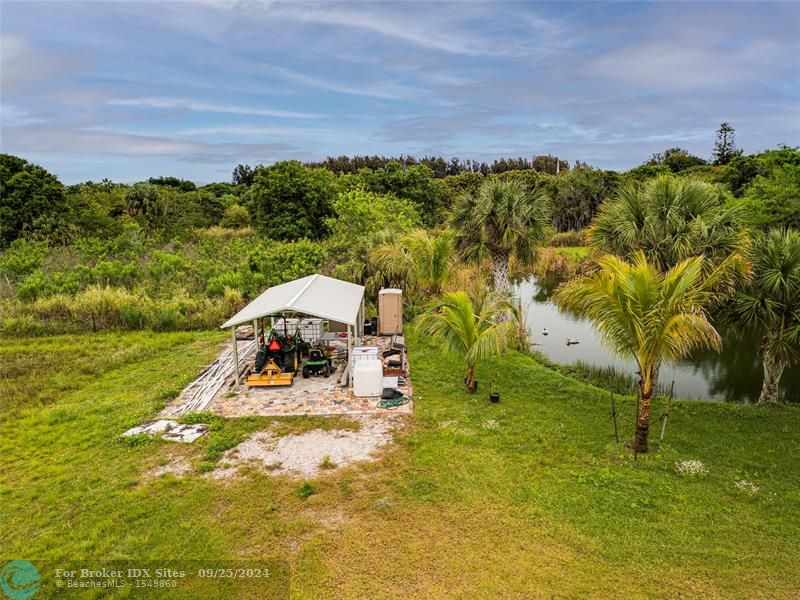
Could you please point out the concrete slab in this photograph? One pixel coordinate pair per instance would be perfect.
(168, 430)
(312, 396)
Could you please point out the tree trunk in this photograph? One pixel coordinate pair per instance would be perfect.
(643, 422)
(773, 370)
(469, 380)
(500, 272)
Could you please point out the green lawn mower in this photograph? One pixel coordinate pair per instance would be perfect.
(316, 364)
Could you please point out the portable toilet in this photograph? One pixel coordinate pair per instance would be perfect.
(390, 311)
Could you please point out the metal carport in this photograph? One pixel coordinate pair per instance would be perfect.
(315, 295)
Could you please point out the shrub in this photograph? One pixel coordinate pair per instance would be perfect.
(103, 307)
(53, 308)
(305, 490)
(21, 326)
(38, 285)
(22, 258)
(568, 238)
(327, 463)
(235, 217)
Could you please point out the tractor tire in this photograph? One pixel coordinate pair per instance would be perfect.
(326, 371)
(306, 373)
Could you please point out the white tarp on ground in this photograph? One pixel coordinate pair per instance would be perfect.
(315, 295)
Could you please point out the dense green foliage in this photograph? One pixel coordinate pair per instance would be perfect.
(415, 183)
(168, 254)
(31, 201)
(290, 201)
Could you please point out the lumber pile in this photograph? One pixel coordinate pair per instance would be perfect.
(199, 394)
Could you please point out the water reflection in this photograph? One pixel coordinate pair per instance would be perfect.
(733, 375)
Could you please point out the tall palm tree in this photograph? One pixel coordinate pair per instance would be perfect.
(503, 219)
(645, 314)
(471, 332)
(771, 303)
(671, 219)
(420, 260)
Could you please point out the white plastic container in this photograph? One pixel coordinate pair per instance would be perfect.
(368, 378)
(310, 329)
(364, 353)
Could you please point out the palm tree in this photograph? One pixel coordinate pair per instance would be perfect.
(142, 200)
(453, 321)
(645, 314)
(419, 260)
(671, 219)
(771, 303)
(503, 219)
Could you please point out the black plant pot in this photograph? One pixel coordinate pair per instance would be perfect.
(494, 397)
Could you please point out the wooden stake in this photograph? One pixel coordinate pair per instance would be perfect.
(636, 417)
(665, 416)
(614, 416)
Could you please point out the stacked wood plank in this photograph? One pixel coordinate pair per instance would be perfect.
(199, 394)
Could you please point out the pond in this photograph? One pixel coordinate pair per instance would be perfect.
(732, 375)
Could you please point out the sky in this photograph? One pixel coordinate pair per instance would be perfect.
(131, 90)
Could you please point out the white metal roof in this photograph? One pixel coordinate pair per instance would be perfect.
(315, 295)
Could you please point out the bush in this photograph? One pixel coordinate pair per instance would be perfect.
(568, 238)
(22, 258)
(22, 326)
(102, 307)
(235, 217)
(278, 262)
(305, 490)
(38, 285)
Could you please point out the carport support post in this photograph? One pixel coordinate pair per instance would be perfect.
(350, 355)
(363, 318)
(235, 358)
(255, 329)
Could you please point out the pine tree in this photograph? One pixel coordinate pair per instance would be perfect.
(725, 148)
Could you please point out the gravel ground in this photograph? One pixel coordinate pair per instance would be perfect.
(301, 455)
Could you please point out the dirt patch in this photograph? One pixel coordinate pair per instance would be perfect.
(308, 454)
(178, 466)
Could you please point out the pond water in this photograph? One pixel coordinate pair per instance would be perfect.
(732, 375)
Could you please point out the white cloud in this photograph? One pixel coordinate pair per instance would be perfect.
(21, 64)
(679, 64)
(433, 30)
(11, 114)
(195, 106)
(46, 139)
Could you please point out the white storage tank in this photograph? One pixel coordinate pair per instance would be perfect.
(364, 353)
(368, 377)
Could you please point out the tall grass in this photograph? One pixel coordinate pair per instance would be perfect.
(112, 308)
(608, 377)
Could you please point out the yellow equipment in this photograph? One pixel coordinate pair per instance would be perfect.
(270, 375)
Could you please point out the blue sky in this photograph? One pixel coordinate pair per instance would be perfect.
(130, 90)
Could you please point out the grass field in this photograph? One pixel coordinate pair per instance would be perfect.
(528, 498)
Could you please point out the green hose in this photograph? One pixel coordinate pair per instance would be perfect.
(392, 403)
